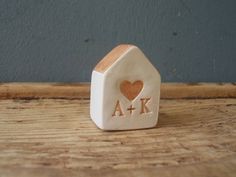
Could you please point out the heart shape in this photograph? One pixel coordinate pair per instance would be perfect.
(131, 90)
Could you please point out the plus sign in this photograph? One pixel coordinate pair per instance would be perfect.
(130, 109)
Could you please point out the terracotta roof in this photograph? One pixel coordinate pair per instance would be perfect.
(111, 57)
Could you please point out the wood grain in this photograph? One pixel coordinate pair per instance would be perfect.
(82, 90)
(55, 137)
(111, 57)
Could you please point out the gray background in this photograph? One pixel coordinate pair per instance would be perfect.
(61, 41)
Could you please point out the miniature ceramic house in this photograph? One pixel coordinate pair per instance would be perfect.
(125, 90)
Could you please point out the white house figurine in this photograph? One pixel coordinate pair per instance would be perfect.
(125, 90)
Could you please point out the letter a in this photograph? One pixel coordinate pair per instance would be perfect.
(118, 109)
(144, 108)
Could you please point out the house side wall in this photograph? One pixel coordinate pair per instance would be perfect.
(96, 98)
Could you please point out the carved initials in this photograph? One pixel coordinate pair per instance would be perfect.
(118, 109)
(144, 108)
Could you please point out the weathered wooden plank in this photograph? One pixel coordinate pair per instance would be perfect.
(82, 90)
(44, 90)
(207, 169)
(198, 90)
(55, 137)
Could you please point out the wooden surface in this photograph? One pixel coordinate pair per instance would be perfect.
(82, 90)
(55, 137)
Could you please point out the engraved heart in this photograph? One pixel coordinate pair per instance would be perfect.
(131, 90)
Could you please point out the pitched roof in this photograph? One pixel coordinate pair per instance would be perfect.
(111, 57)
